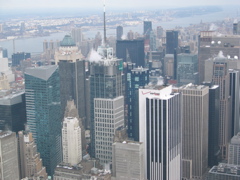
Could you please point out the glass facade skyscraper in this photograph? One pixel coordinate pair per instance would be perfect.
(43, 113)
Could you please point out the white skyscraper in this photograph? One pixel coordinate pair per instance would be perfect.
(234, 150)
(109, 115)
(160, 116)
(71, 141)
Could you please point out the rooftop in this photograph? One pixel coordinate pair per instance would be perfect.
(227, 169)
(42, 72)
(67, 41)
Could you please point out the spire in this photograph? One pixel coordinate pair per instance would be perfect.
(104, 23)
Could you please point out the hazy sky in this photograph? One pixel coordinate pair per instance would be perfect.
(19, 4)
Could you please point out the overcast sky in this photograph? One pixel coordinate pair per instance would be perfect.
(22, 4)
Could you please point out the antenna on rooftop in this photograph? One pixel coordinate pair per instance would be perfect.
(104, 23)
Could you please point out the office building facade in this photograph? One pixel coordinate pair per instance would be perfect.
(9, 156)
(171, 41)
(147, 28)
(30, 162)
(119, 32)
(187, 69)
(19, 56)
(44, 112)
(136, 78)
(132, 49)
(234, 150)
(160, 116)
(195, 131)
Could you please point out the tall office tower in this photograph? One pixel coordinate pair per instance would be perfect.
(171, 41)
(9, 156)
(71, 139)
(136, 77)
(77, 35)
(187, 69)
(3, 53)
(134, 49)
(19, 56)
(169, 65)
(130, 35)
(30, 163)
(159, 32)
(153, 37)
(72, 75)
(108, 117)
(235, 95)
(45, 46)
(128, 160)
(160, 116)
(234, 150)
(147, 28)
(106, 100)
(213, 124)
(12, 111)
(224, 172)
(44, 112)
(235, 27)
(210, 44)
(119, 32)
(221, 77)
(194, 131)
(22, 28)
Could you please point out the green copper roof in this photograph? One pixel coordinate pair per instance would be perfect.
(68, 41)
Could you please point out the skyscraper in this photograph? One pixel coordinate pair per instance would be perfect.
(19, 56)
(234, 150)
(71, 141)
(147, 28)
(210, 44)
(9, 156)
(44, 112)
(119, 32)
(187, 69)
(160, 117)
(72, 76)
(30, 162)
(194, 131)
(136, 77)
(235, 95)
(221, 77)
(128, 160)
(77, 35)
(13, 111)
(213, 124)
(106, 100)
(171, 41)
(133, 48)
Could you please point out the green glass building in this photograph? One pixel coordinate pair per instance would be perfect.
(43, 113)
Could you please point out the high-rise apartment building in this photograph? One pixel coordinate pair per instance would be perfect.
(9, 156)
(44, 112)
(234, 83)
(132, 49)
(194, 131)
(71, 141)
(106, 100)
(72, 76)
(119, 32)
(136, 78)
(30, 162)
(160, 117)
(187, 69)
(234, 150)
(171, 41)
